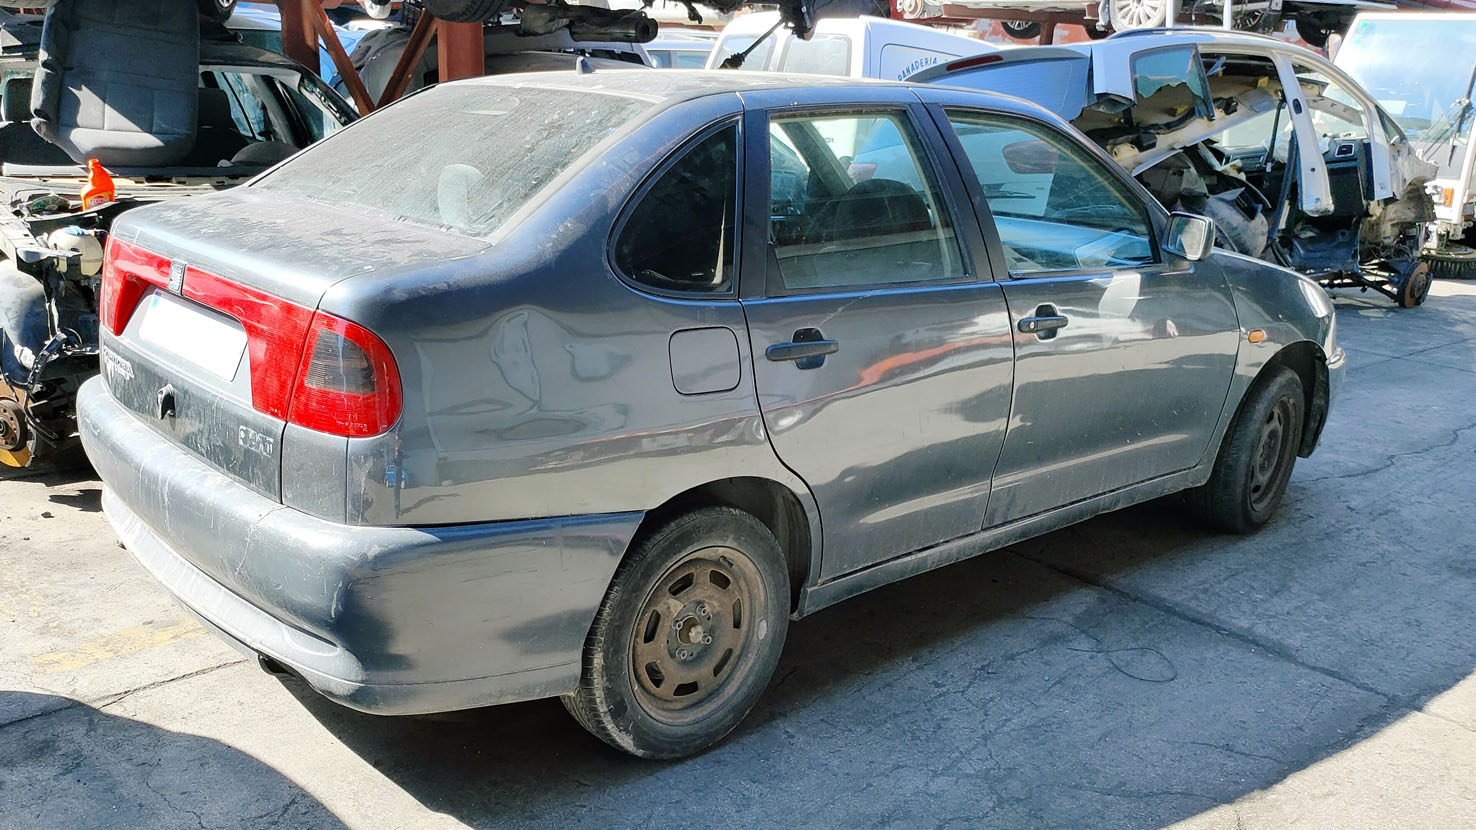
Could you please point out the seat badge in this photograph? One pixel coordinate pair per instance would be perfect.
(176, 276)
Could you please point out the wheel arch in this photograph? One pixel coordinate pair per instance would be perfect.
(1307, 360)
(778, 507)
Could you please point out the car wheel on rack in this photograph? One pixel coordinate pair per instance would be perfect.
(218, 10)
(1127, 15)
(687, 636)
(1021, 29)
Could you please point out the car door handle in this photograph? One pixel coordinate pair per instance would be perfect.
(800, 350)
(1042, 323)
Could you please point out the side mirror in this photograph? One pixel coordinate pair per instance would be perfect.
(1189, 236)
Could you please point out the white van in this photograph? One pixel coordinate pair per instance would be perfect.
(856, 47)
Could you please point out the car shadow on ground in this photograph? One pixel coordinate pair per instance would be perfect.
(1002, 690)
(104, 781)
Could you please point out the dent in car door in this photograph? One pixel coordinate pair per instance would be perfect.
(1122, 360)
(882, 363)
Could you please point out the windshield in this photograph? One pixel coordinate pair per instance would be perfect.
(461, 157)
(1420, 71)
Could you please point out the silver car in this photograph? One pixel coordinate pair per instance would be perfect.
(585, 385)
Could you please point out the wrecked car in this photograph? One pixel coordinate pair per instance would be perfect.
(221, 111)
(1422, 70)
(632, 367)
(1296, 163)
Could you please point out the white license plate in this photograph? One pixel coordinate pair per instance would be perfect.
(212, 343)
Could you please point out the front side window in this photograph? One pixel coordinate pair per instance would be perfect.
(1335, 113)
(1056, 208)
(854, 203)
(679, 236)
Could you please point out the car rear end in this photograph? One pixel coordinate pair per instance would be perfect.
(241, 395)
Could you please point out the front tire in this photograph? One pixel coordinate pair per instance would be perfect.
(1256, 459)
(687, 636)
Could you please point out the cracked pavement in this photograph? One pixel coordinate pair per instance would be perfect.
(1132, 671)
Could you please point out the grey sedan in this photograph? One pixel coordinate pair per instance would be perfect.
(586, 385)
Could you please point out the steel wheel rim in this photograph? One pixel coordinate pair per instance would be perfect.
(695, 634)
(1137, 14)
(1267, 460)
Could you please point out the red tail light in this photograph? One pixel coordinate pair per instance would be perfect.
(348, 383)
(307, 367)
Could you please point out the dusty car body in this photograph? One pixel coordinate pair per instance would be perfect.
(1294, 160)
(743, 346)
(1422, 70)
(255, 108)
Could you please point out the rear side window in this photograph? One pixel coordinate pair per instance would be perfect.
(461, 158)
(679, 236)
(853, 203)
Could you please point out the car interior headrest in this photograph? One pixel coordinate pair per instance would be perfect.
(119, 81)
(15, 100)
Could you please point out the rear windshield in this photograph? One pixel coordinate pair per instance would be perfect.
(460, 157)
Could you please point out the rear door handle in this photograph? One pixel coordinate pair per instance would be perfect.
(1043, 323)
(800, 351)
(807, 348)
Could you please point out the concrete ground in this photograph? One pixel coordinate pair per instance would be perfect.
(1132, 671)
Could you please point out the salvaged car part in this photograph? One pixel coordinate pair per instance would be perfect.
(1295, 162)
(798, 15)
(587, 22)
(224, 115)
(1452, 261)
(572, 392)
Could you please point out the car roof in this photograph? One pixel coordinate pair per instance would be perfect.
(676, 84)
(1152, 38)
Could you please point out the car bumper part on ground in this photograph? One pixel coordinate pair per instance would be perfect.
(387, 620)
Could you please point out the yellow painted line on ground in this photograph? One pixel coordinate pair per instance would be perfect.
(29, 598)
(117, 644)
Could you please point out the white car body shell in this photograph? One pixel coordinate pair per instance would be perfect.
(877, 47)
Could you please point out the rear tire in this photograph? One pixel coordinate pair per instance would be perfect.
(464, 11)
(1257, 456)
(687, 636)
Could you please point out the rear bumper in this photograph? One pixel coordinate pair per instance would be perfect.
(386, 620)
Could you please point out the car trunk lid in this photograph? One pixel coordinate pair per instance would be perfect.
(209, 304)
